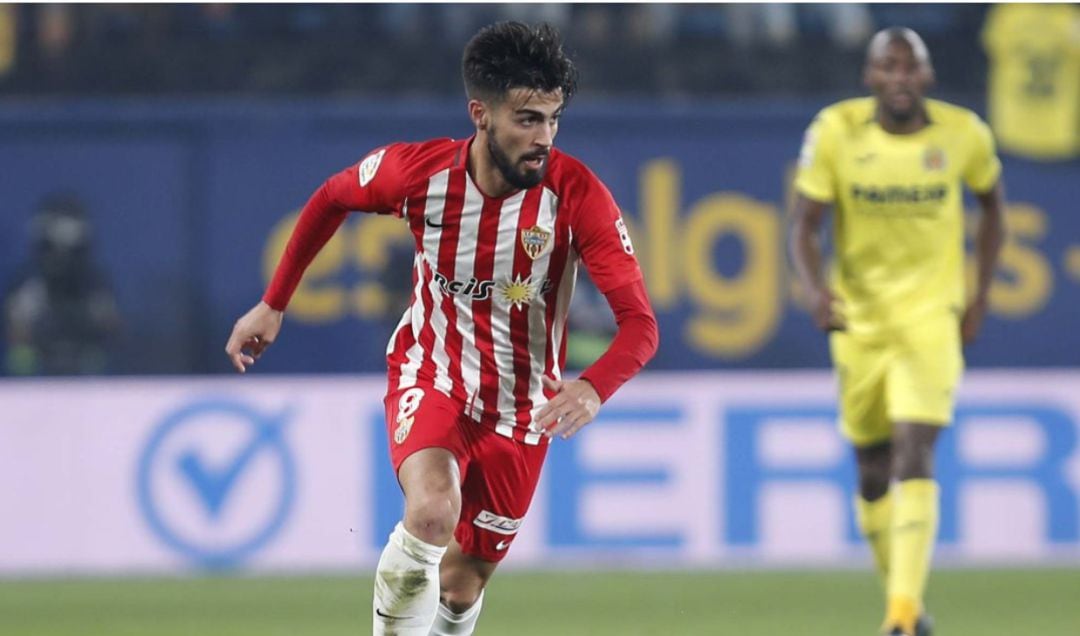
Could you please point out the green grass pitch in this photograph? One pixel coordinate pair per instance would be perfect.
(756, 603)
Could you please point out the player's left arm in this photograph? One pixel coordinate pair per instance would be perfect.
(983, 176)
(989, 239)
(601, 238)
(577, 402)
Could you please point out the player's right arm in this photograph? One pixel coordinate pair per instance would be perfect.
(815, 186)
(805, 246)
(376, 184)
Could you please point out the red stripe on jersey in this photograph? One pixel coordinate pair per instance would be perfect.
(447, 258)
(556, 269)
(427, 331)
(404, 339)
(519, 314)
(483, 270)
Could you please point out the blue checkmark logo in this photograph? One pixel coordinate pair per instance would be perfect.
(179, 463)
(212, 484)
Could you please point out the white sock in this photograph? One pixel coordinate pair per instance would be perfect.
(406, 586)
(447, 623)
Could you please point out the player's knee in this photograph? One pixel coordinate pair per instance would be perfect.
(874, 482)
(431, 516)
(875, 471)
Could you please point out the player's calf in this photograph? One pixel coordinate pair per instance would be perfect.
(406, 586)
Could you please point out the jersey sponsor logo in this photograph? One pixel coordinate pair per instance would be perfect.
(516, 291)
(624, 236)
(369, 166)
(900, 194)
(495, 523)
(934, 159)
(473, 288)
(534, 240)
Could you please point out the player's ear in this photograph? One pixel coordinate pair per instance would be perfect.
(929, 79)
(479, 114)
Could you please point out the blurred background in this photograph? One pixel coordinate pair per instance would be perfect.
(153, 159)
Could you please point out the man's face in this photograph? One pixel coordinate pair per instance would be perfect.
(899, 78)
(520, 134)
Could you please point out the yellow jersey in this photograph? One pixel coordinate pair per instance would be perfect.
(898, 224)
(1034, 54)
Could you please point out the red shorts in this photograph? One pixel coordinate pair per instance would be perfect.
(498, 475)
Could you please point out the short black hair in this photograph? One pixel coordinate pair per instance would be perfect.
(508, 55)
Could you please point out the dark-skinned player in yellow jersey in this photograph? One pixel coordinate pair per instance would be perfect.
(891, 167)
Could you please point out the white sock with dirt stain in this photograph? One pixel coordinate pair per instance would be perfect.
(448, 623)
(406, 586)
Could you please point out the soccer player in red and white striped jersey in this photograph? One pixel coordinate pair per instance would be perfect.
(501, 222)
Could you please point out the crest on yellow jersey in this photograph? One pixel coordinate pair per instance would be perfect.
(934, 159)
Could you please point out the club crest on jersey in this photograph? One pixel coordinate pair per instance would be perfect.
(369, 166)
(534, 240)
(934, 159)
(403, 429)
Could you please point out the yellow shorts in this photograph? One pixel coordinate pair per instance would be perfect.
(909, 375)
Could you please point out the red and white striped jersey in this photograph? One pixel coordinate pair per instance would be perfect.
(493, 277)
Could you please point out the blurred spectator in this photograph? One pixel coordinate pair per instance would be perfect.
(1034, 52)
(847, 25)
(9, 29)
(54, 39)
(60, 315)
(599, 26)
(654, 49)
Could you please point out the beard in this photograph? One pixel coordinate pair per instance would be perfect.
(899, 113)
(522, 179)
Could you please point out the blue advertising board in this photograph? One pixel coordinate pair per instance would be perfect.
(192, 203)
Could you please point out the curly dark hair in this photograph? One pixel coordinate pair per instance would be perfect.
(508, 55)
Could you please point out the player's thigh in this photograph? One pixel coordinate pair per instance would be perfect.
(925, 373)
(419, 418)
(496, 494)
(860, 367)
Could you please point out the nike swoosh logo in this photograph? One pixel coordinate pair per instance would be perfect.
(434, 225)
(389, 617)
(502, 545)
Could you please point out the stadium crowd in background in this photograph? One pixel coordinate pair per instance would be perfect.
(656, 49)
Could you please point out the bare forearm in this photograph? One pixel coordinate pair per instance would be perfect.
(989, 239)
(805, 247)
